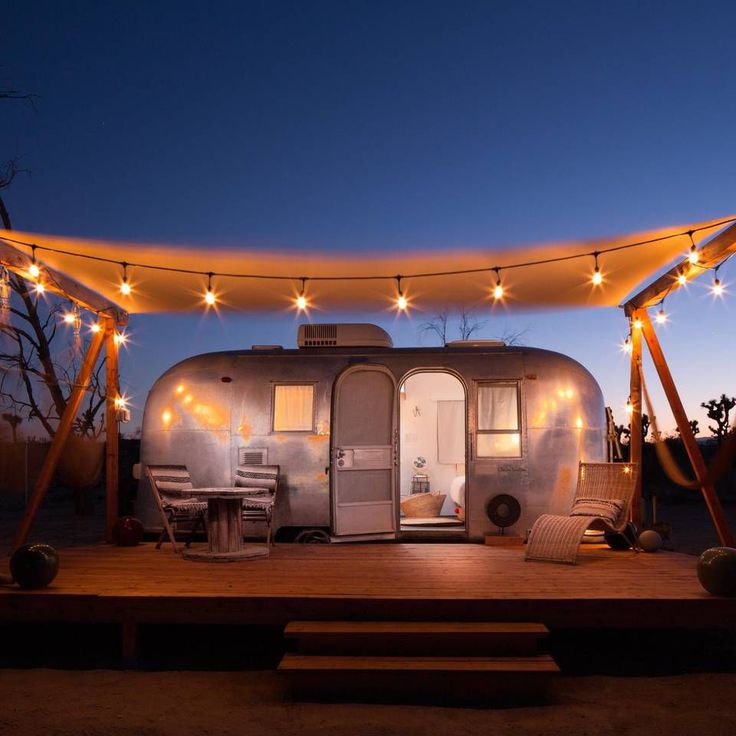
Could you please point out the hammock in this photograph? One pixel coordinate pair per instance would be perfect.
(721, 463)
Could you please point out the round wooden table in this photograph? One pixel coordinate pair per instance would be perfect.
(224, 526)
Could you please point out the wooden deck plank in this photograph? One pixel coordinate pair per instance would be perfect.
(530, 665)
(380, 581)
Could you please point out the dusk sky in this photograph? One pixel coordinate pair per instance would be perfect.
(354, 126)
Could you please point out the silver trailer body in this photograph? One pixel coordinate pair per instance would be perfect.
(212, 411)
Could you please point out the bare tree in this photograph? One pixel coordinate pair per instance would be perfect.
(437, 325)
(719, 410)
(36, 378)
(467, 324)
(694, 427)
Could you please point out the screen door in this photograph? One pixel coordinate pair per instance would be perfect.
(364, 452)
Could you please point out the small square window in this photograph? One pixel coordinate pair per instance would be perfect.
(498, 420)
(293, 408)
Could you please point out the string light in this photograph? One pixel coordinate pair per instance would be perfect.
(498, 288)
(637, 324)
(717, 287)
(597, 277)
(401, 301)
(95, 327)
(121, 402)
(124, 285)
(661, 317)
(693, 256)
(301, 299)
(120, 338)
(33, 269)
(209, 295)
(39, 287)
(626, 346)
(629, 406)
(69, 318)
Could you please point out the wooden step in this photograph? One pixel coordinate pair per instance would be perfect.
(435, 679)
(416, 637)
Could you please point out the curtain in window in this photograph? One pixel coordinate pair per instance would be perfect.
(498, 407)
(293, 408)
(451, 432)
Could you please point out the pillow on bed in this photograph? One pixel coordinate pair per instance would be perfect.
(610, 509)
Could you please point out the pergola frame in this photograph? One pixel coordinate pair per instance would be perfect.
(112, 317)
(721, 247)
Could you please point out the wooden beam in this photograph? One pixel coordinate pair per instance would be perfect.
(59, 283)
(712, 253)
(112, 440)
(635, 438)
(686, 433)
(62, 433)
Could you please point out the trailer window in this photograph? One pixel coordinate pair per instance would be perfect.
(293, 408)
(498, 432)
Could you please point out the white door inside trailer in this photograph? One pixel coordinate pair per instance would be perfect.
(364, 452)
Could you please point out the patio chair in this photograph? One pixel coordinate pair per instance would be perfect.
(602, 502)
(165, 480)
(264, 481)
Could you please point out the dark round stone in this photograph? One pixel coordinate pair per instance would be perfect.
(34, 565)
(717, 570)
(127, 531)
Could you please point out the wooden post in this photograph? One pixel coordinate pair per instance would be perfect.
(686, 432)
(635, 438)
(112, 442)
(62, 433)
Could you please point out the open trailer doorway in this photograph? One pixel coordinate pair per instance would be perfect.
(433, 454)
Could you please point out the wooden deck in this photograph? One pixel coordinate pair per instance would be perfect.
(460, 582)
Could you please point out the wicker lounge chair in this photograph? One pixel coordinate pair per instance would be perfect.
(264, 480)
(165, 480)
(602, 501)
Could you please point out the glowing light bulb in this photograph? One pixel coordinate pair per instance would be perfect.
(717, 287)
(70, 318)
(597, 277)
(120, 402)
(40, 288)
(402, 302)
(301, 302)
(637, 324)
(693, 256)
(209, 295)
(629, 407)
(120, 338)
(498, 291)
(682, 279)
(626, 345)
(34, 270)
(579, 423)
(661, 317)
(125, 287)
(95, 327)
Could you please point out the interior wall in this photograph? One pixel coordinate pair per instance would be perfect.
(418, 426)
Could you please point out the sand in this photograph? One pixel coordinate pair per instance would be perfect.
(117, 703)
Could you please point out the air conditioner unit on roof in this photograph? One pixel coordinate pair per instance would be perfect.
(343, 335)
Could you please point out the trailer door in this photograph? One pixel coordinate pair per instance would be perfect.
(364, 452)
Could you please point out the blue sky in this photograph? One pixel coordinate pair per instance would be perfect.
(381, 125)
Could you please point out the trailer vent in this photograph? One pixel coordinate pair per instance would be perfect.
(343, 335)
(252, 456)
(475, 344)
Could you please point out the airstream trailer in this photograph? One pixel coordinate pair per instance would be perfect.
(380, 442)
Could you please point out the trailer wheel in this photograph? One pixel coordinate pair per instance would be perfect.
(312, 536)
